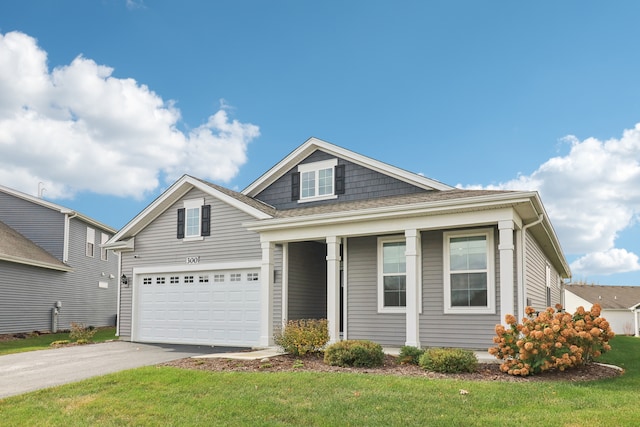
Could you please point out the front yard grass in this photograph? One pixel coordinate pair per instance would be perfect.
(41, 342)
(159, 396)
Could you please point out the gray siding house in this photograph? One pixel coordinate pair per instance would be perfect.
(382, 253)
(53, 270)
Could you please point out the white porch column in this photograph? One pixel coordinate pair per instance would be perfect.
(412, 253)
(506, 249)
(333, 288)
(635, 320)
(266, 295)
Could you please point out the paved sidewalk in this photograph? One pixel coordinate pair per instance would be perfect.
(34, 370)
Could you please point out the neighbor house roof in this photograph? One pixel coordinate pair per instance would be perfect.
(609, 297)
(56, 207)
(14, 247)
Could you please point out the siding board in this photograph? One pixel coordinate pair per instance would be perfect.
(364, 321)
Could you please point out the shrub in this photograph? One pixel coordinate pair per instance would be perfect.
(300, 337)
(410, 355)
(59, 343)
(448, 360)
(80, 333)
(551, 340)
(358, 353)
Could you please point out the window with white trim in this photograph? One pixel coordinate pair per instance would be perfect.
(469, 282)
(317, 180)
(91, 242)
(235, 277)
(103, 251)
(392, 275)
(160, 280)
(218, 278)
(174, 280)
(194, 220)
(147, 281)
(252, 277)
(188, 279)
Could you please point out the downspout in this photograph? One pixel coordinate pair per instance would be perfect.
(67, 226)
(522, 295)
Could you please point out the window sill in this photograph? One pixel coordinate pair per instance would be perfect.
(318, 198)
(470, 310)
(392, 310)
(193, 239)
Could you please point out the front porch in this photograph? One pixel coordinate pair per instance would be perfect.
(316, 282)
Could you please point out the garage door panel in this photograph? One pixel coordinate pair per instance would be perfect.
(210, 307)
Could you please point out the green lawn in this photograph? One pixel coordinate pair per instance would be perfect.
(41, 342)
(160, 396)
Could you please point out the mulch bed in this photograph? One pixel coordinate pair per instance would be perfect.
(313, 363)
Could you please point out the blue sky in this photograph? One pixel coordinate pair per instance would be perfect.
(107, 102)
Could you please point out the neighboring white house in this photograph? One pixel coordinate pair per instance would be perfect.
(620, 304)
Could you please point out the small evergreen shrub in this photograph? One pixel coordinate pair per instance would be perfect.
(300, 337)
(81, 334)
(356, 353)
(409, 355)
(448, 360)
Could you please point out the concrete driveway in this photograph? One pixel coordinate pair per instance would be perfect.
(34, 370)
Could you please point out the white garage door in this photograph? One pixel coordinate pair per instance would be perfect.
(208, 307)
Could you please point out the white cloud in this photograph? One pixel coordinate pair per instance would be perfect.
(608, 262)
(78, 128)
(591, 194)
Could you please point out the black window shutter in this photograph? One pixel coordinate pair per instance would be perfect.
(295, 186)
(339, 179)
(205, 226)
(181, 223)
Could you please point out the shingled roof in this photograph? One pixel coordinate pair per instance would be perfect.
(402, 200)
(14, 247)
(609, 297)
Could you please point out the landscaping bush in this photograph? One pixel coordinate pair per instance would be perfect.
(81, 334)
(409, 355)
(300, 337)
(448, 360)
(357, 353)
(551, 340)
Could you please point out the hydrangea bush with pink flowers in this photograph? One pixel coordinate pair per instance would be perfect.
(551, 339)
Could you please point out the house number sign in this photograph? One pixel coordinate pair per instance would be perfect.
(193, 259)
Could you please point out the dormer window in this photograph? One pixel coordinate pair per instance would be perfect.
(318, 181)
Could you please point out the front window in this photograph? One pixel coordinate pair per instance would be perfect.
(317, 180)
(392, 277)
(469, 282)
